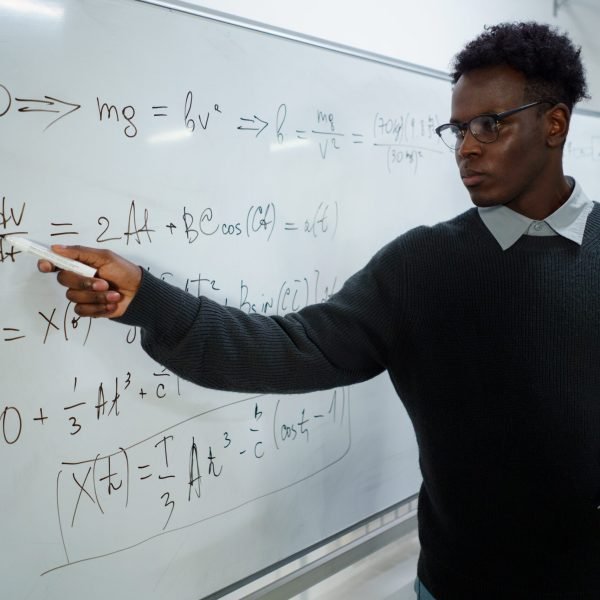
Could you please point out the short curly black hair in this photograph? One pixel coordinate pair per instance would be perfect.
(550, 62)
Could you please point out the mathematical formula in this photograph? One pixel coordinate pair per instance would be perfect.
(255, 221)
(176, 474)
(407, 139)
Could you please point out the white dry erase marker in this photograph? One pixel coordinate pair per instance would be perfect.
(68, 264)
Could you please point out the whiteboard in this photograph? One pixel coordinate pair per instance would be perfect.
(582, 151)
(257, 170)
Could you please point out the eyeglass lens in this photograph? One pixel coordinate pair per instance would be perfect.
(483, 129)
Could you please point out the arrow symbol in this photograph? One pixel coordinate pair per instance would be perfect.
(253, 122)
(50, 105)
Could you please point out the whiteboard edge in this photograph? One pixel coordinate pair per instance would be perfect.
(314, 573)
(215, 15)
(588, 112)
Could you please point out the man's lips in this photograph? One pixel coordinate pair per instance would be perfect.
(472, 178)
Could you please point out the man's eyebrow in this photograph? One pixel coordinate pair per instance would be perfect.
(489, 113)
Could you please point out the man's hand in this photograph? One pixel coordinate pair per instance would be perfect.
(106, 295)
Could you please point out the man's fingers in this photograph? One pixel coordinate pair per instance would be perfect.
(89, 256)
(91, 297)
(79, 282)
(45, 266)
(95, 310)
(109, 293)
(89, 303)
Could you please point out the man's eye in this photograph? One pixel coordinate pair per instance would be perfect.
(485, 125)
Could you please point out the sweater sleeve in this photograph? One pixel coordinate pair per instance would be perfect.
(345, 340)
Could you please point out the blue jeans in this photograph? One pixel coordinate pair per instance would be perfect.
(422, 592)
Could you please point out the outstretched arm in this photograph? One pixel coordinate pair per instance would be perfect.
(349, 338)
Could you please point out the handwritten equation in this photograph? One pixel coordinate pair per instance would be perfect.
(191, 225)
(89, 403)
(407, 139)
(109, 502)
(59, 320)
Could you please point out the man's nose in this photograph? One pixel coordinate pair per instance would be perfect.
(469, 145)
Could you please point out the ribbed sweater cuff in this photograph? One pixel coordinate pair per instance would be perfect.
(161, 308)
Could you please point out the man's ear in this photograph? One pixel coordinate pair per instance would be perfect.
(557, 118)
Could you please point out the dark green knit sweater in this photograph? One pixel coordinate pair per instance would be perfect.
(496, 356)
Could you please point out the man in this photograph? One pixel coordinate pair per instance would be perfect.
(488, 325)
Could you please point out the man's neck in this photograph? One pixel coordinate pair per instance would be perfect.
(540, 204)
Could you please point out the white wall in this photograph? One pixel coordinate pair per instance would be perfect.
(426, 32)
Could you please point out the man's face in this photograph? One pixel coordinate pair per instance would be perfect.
(509, 170)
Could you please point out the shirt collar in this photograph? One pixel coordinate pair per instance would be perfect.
(569, 220)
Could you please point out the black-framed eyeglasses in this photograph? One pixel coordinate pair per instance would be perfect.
(484, 128)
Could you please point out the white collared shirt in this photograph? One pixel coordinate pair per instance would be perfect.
(507, 226)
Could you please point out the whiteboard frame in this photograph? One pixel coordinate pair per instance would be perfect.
(326, 558)
(215, 15)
